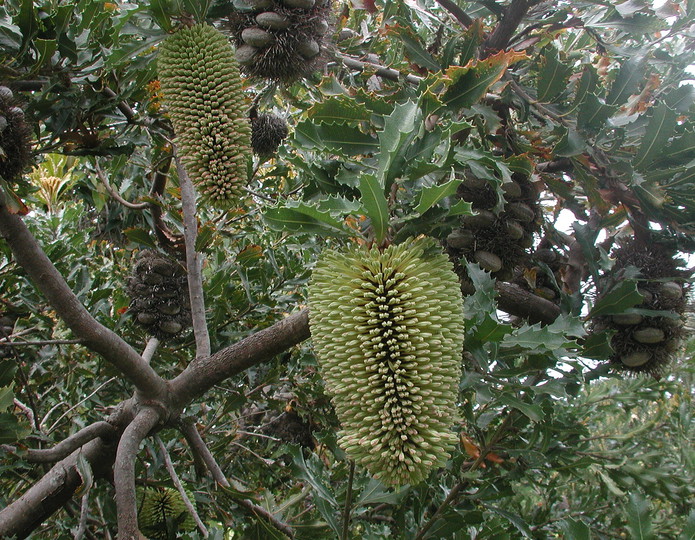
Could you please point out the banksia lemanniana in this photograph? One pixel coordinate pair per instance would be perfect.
(281, 40)
(162, 513)
(267, 132)
(158, 289)
(15, 146)
(203, 91)
(642, 342)
(387, 328)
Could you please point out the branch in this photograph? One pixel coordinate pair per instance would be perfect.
(200, 449)
(96, 336)
(381, 71)
(261, 512)
(203, 373)
(503, 32)
(177, 482)
(115, 194)
(55, 488)
(124, 472)
(66, 447)
(194, 263)
(348, 503)
(460, 15)
(514, 300)
(4, 343)
(528, 99)
(122, 105)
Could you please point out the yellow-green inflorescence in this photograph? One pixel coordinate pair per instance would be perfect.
(162, 512)
(387, 328)
(203, 90)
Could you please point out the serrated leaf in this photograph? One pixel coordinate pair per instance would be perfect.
(470, 41)
(375, 204)
(593, 113)
(303, 219)
(552, 76)
(514, 519)
(537, 338)
(376, 493)
(6, 397)
(140, 236)
(621, 297)
(249, 255)
(482, 302)
(429, 196)
(631, 73)
(338, 109)
(639, 24)
(461, 208)
(639, 521)
(468, 84)
(570, 144)
(206, 234)
(597, 346)
(11, 429)
(415, 50)
(341, 138)
(575, 529)
(400, 128)
(660, 128)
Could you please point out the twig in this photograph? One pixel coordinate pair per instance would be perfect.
(55, 424)
(198, 447)
(28, 412)
(460, 15)
(115, 194)
(381, 71)
(528, 99)
(84, 514)
(348, 503)
(40, 343)
(177, 482)
(66, 447)
(193, 263)
(124, 472)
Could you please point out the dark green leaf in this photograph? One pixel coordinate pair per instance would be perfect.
(338, 109)
(570, 144)
(304, 218)
(429, 196)
(593, 114)
(552, 76)
(206, 234)
(140, 236)
(415, 50)
(631, 74)
(347, 140)
(617, 300)
(575, 529)
(375, 204)
(514, 519)
(661, 126)
(639, 521)
(400, 128)
(376, 493)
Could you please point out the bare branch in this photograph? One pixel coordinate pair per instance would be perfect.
(200, 449)
(460, 15)
(381, 71)
(66, 447)
(114, 194)
(503, 32)
(348, 503)
(122, 105)
(39, 343)
(124, 471)
(150, 349)
(84, 514)
(177, 482)
(203, 373)
(55, 424)
(194, 263)
(96, 336)
(514, 300)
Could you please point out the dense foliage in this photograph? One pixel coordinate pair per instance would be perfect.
(547, 147)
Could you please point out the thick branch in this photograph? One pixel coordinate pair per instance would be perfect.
(54, 489)
(124, 472)
(96, 336)
(514, 300)
(194, 263)
(503, 32)
(203, 373)
(200, 449)
(72, 443)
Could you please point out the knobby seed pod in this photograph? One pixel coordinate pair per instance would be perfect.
(387, 328)
(267, 132)
(162, 513)
(158, 289)
(15, 145)
(203, 90)
(282, 40)
(645, 342)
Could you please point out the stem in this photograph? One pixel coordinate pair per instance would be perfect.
(194, 263)
(124, 472)
(40, 343)
(84, 514)
(199, 448)
(150, 349)
(460, 15)
(66, 447)
(381, 71)
(114, 194)
(261, 512)
(348, 504)
(177, 482)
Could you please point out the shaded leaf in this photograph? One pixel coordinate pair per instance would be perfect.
(429, 196)
(660, 128)
(552, 76)
(639, 521)
(140, 236)
(626, 83)
(624, 295)
(375, 205)
(347, 140)
(305, 218)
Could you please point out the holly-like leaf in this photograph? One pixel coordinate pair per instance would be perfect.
(375, 204)
(660, 128)
(552, 76)
(414, 48)
(141, 237)
(638, 516)
(429, 196)
(623, 296)
(631, 73)
(338, 109)
(468, 84)
(400, 128)
(593, 114)
(346, 140)
(304, 218)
